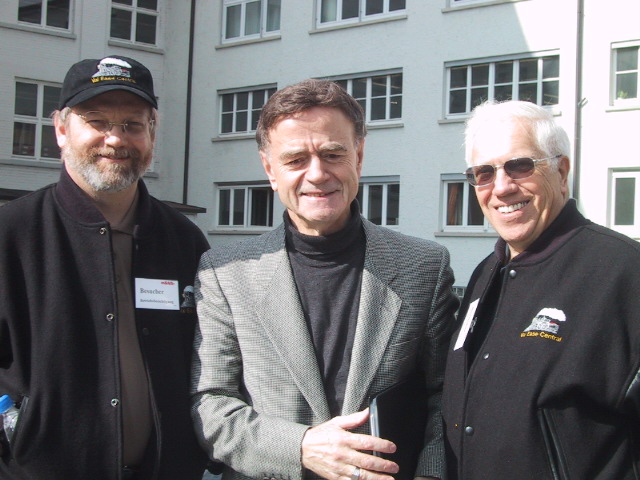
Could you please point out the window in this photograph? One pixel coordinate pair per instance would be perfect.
(343, 11)
(245, 206)
(47, 13)
(460, 208)
(245, 19)
(379, 95)
(625, 75)
(134, 20)
(241, 110)
(380, 202)
(33, 132)
(624, 212)
(533, 79)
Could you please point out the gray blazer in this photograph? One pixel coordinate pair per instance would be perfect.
(256, 384)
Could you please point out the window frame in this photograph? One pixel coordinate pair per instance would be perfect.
(135, 11)
(491, 84)
(389, 95)
(44, 17)
(385, 182)
(632, 231)
(267, 91)
(40, 120)
(247, 188)
(614, 100)
(362, 16)
(264, 18)
(467, 190)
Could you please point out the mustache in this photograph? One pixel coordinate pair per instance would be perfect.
(116, 153)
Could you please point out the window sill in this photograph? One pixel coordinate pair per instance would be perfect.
(247, 41)
(623, 108)
(234, 136)
(476, 4)
(135, 46)
(53, 163)
(39, 29)
(238, 231)
(357, 23)
(385, 124)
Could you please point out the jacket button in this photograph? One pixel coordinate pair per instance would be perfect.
(103, 231)
(110, 317)
(512, 273)
(115, 402)
(468, 431)
(485, 356)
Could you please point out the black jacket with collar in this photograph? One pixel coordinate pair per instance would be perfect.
(58, 335)
(552, 392)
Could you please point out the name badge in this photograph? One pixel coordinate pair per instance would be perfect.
(466, 325)
(157, 294)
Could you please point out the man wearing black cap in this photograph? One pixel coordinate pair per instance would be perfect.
(95, 342)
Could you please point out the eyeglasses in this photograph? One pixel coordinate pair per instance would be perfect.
(132, 128)
(516, 168)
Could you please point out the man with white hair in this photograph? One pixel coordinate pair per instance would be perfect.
(542, 375)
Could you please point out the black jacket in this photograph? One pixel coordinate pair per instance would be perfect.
(58, 335)
(553, 391)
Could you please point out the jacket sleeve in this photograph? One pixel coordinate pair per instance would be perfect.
(228, 427)
(441, 323)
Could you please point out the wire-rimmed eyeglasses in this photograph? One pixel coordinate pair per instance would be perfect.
(517, 168)
(97, 121)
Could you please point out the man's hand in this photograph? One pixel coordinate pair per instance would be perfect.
(332, 452)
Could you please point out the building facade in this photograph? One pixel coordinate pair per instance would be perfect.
(418, 67)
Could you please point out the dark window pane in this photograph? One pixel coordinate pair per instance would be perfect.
(233, 21)
(363, 104)
(24, 138)
(454, 203)
(551, 67)
(146, 28)
(227, 123)
(626, 59)
(375, 204)
(393, 204)
(261, 207)
(242, 101)
(627, 86)
(551, 93)
(238, 207)
(504, 72)
(458, 101)
(350, 9)
(257, 100)
(224, 207)
(49, 148)
(625, 201)
(378, 86)
(273, 15)
(359, 88)
(458, 77)
(252, 18)
(479, 95)
(227, 102)
(396, 107)
(528, 92)
(58, 13)
(26, 99)
(374, 6)
(504, 93)
(124, 2)
(120, 24)
(30, 11)
(50, 101)
(378, 108)
(397, 5)
(241, 121)
(528, 69)
(396, 83)
(480, 75)
(150, 4)
(474, 212)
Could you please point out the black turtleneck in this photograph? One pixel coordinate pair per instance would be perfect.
(328, 273)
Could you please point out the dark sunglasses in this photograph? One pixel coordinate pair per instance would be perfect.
(516, 168)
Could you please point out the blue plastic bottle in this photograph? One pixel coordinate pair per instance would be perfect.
(9, 416)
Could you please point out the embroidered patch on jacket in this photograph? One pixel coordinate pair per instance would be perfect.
(546, 324)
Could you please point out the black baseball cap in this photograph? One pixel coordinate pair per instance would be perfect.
(92, 77)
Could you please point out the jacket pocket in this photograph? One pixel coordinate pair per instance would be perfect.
(555, 455)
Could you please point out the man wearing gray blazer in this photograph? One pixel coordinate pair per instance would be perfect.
(299, 327)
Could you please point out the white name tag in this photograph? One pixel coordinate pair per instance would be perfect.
(466, 325)
(157, 294)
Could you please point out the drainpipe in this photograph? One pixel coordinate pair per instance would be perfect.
(580, 102)
(187, 134)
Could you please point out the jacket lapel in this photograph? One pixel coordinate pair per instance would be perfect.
(377, 315)
(281, 314)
